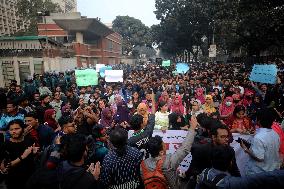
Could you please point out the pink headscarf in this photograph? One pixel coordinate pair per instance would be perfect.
(224, 109)
(200, 97)
(177, 107)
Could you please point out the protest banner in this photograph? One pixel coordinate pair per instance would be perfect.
(86, 77)
(103, 69)
(173, 140)
(99, 66)
(166, 63)
(113, 76)
(182, 68)
(264, 73)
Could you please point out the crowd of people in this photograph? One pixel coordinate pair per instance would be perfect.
(55, 134)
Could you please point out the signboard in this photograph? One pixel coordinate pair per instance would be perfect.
(182, 67)
(99, 66)
(113, 76)
(264, 73)
(212, 51)
(86, 77)
(166, 63)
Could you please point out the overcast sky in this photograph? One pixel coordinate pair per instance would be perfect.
(107, 10)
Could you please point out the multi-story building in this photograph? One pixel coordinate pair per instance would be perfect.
(92, 41)
(67, 5)
(10, 22)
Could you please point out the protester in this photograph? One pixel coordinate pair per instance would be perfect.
(162, 117)
(121, 166)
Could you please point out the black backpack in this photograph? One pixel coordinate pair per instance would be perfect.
(210, 184)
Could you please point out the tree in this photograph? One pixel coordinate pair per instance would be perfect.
(27, 10)
(133, 31)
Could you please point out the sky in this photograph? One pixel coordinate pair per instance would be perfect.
(107, 10)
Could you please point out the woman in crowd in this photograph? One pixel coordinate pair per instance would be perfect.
(256, 105)
(49, 119)
(122, 113)
(226, 109)
(162, 117)
(239, 122)
(208, 106)
(177, 122)
(199, 94)
(177, 105)
(142, 109)
(195, 110)
(106, 118)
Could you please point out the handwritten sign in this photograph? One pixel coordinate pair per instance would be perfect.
(114, 76)
(264, 73)
(166, 63)
(86, 77)
(182, 67)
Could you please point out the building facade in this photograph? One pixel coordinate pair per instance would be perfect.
(9, 21)
(92, 41)
(67, 5)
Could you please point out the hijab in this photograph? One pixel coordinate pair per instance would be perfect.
(142, 109)
(177, 107)
(200, 97)
(224, 109)
(51, 122)
(122, 113)
(209, 107)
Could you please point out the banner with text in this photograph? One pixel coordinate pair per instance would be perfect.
(264, 73)
(86, 77)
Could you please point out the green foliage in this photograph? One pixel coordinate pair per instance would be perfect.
(253, 25)
(134, 33)
(28, 9)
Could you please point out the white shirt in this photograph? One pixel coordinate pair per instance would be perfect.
(161, 120)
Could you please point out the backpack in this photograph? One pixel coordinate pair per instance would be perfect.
(154, 179)
(211, 184)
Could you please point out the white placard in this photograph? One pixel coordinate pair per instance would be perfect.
(113, 76)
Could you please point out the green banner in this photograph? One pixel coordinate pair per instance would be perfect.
(166, 63)
(86, 77)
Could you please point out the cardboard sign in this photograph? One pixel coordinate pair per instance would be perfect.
(113, 76)
(182, 68)
(86, 77)
(264, 73)
(166, 63)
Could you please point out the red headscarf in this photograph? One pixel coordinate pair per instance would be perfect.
(224, 109)
(200, 97)
(177, 107)
(51, 122)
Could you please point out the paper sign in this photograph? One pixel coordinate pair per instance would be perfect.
(182, 67)
(212, 51)
(99, 66)
(166, 63)
(86, 77)
(113, 76)
(264, 73)
(103, 69)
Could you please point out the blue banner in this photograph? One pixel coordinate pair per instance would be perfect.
(182, 68)
(264, 73)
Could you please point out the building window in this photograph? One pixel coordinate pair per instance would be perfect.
(110, 45)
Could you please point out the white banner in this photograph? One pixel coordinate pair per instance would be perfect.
(114, 76)
(174, 138)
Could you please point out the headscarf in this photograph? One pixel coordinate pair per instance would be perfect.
(122, 113)
(142, 110)
(177, 107)
(208, 108)
(105, 121)
(199, 106)
(51, 122)
(167, 100)
(200, 97)
(224, 109)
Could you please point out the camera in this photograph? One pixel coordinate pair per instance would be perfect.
(246, 143)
